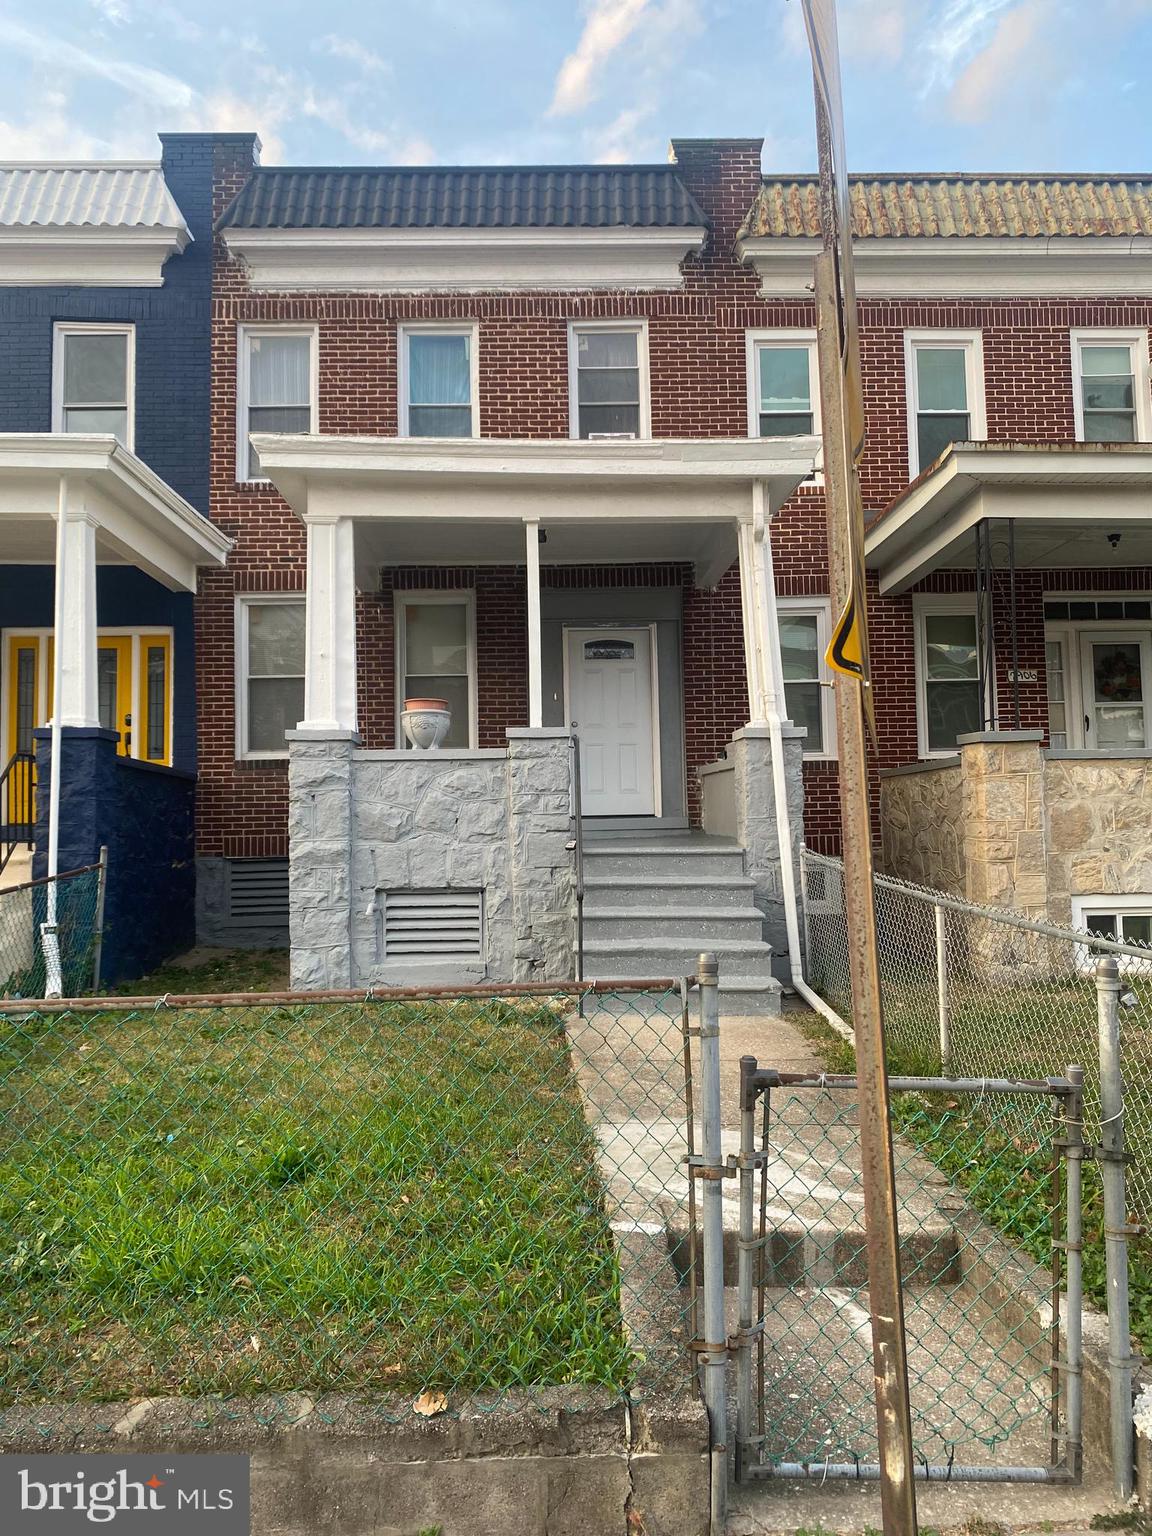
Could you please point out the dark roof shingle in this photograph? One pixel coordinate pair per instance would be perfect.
(454, 197)
(957, 204)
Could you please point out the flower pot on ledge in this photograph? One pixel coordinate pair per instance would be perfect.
(426, 722)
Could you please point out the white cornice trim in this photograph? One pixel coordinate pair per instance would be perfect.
(96, 257)
(462, 260)
(1087, 266)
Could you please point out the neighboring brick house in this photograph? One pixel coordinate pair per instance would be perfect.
(414, 351)
(105, 291)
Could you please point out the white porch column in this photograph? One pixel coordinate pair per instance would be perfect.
(758, 606)
(535, 659)
(330, 632)
(77, 700)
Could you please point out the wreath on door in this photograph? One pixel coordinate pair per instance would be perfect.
(1116, 678)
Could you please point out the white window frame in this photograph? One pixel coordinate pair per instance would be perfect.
(780, 338)
(972, 344)
(924, 604)
(636, 325)
(402, 601)
(1137, 343)
(244, 333)
(1138, 904)
(245, 602)
(469, 328)
(60, 333)
(821, 607)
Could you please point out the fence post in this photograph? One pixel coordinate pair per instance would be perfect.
(1111, 1155)
(945, 1018)
(747, 1177)
(1073, 1138)
(98, 920)
(713, 1347)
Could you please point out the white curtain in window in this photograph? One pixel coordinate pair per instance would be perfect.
(438, 370)
(278, 370)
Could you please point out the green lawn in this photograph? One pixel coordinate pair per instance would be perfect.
(383, 1198)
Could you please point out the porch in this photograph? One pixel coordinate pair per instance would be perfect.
(586, 541)
(98, 567)
(1030, 569)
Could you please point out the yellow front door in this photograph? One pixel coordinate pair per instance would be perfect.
(22, 668)
(114, 688)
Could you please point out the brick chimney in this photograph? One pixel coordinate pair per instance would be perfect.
(723, 175)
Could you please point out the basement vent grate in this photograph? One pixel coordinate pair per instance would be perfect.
(441, 925)
(258, 892)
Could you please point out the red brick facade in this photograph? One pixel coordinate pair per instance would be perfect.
(697, 363)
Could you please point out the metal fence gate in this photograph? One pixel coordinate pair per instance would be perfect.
(994, 1384)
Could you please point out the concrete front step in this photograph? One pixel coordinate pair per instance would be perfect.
(694, 926)
(690, 890)
(617, 959)
(665, 861)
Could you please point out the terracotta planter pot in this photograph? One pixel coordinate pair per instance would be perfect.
(425, 704)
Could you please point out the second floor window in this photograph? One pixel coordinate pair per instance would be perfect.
(93, 368)
(608, 368)
(277, 388)
(438, 382)
(1111, 381)
(783, 385)
(945, 394)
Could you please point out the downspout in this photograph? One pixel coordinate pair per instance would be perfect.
(773, 694)
(49, 936)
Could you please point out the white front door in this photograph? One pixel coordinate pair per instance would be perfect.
(610, 706)
(1116, 679)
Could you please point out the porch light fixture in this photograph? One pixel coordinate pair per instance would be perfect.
(1113, 539)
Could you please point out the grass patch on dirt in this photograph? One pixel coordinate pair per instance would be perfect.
(213, 972)
(329, 1197)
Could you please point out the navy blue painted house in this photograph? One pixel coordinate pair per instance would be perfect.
(105, 314)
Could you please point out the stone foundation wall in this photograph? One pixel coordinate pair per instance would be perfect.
(495, 821)
(1099, 825)
(922, 825)
(750, 752)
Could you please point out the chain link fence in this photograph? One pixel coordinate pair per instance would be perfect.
(79, 920)
(982, 1368)
(432, 1201)
(973, 991)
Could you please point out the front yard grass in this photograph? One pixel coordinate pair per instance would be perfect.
(394, 1198)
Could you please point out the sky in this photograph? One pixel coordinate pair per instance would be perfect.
(1027, 85)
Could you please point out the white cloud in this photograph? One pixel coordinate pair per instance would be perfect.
(610, 23)
(874, 29)
(50, 133)
(995, 69)
(353, 52)
(115, 11)
(151, 85)
(960, 30)
(620, 141)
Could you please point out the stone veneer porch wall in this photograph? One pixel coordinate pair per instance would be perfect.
(1033, 828)
(364, 822)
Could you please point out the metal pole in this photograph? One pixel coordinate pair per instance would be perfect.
(942, 1009)
(713, 1347)
(744, 1403)
(578, 847)
(98, 919)
(1073, 1277)
(886, 1302)
(1111, 1155)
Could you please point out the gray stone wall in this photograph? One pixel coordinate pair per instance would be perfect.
(750, 752)
(366, 822)
(922, 825)
(1099, 825)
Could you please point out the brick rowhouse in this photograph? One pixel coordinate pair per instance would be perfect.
(699, 388)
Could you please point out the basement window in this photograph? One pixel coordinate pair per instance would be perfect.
(1127, 919)
(431, 925)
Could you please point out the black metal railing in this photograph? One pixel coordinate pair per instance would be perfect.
(17, 805)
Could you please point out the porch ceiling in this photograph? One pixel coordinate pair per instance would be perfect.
(138, 519)
(452, 500)
(1064, 501)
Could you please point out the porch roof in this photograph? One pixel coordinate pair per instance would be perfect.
(466, 500)
(1063, 499)
(139, 519)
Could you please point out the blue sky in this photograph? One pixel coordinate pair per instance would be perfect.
(929, 84)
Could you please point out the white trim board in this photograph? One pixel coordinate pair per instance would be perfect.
(463, 260)
(974, 267)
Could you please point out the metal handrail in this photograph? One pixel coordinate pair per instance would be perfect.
(16, 790)
(577, 847)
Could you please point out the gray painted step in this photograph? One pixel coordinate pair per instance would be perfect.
(692, 925)
(674, 891)
(612, 959)
(662, 860)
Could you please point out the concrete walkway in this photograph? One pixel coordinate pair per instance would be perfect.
(970, 1386)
